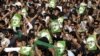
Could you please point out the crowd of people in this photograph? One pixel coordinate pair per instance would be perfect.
(49, 27)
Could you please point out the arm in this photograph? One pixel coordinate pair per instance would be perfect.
(52, 50)
(5, 15)
(29, 24)
(38, 29)
(38, 52)
(78, 37)
(97, 45)
(33, 18)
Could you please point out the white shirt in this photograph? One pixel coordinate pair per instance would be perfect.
(70, 53)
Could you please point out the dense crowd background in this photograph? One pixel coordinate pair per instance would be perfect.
(50, 27)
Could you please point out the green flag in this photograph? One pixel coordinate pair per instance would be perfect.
(16, 20)
(55, 27)
(60, 48)
(25, 51)
(82, 8)
(45, 33)
(60, 21)
(52, 3)
(91, 40)
(24, 11)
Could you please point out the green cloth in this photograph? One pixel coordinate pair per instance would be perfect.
(55, 26)
(19, 34)
(24, 11)
(47, 45)
(45, 33)
(60, 47)
(91, 40)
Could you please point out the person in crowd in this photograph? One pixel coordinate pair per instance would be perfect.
(49, 27)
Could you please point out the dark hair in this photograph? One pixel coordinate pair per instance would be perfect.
(14, 53)
(57, 9)
(73, 33)
(98, 35)
(2, 22)
(91, 30)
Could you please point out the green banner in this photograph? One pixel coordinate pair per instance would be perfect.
(46, 45)
(45, 33)
(60, 48)
(52, 3)
(82, 8)
(16, 20)
(55, 26)
(60, 21)
(26, 51)
(91, 40)
(24, 11)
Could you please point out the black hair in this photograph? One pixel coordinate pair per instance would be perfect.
(31, 34)
(11, 31)
(73, 23)
(66, 30)
(57, 9)
(73, 33)
(91, 30)
(61, 14)
(96, 21)
(98, 35)
(14, 53)
(2, 22)
(50, 9)
(53, 16)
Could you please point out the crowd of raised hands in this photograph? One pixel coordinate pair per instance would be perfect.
(49, 27)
